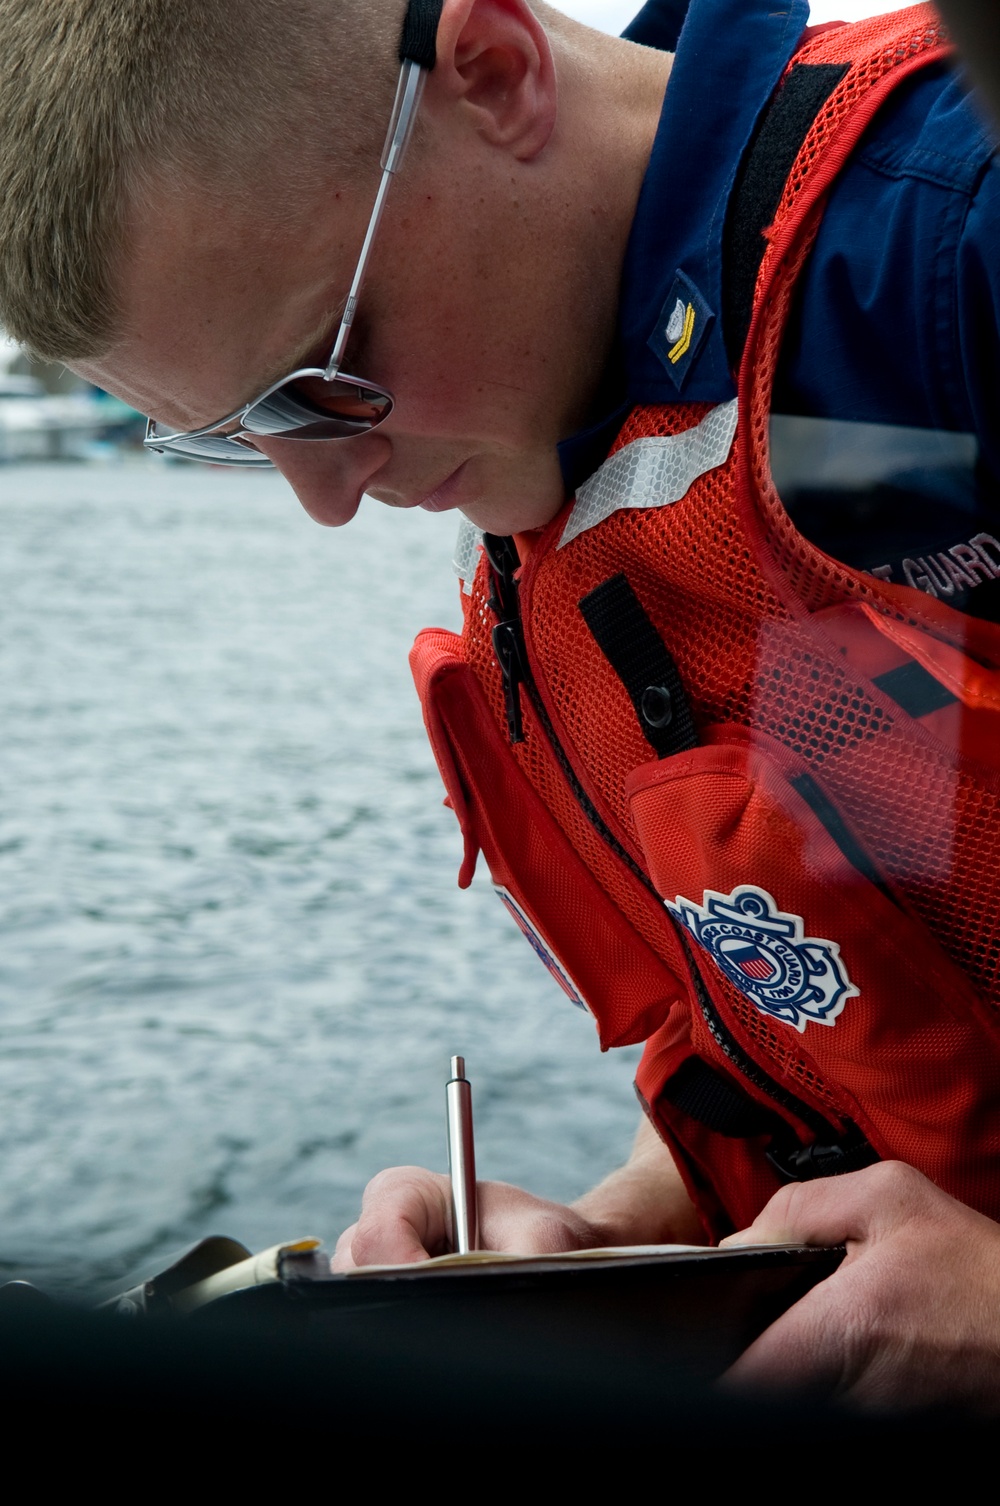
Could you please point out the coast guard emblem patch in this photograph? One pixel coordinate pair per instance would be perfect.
(794, 977)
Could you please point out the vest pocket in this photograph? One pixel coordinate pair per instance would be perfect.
(592, 950)
(752, 857)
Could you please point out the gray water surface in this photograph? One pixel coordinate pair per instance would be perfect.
(233, 958)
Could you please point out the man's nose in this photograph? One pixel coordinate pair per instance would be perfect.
(329, 477)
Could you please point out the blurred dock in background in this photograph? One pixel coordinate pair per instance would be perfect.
(48, 413)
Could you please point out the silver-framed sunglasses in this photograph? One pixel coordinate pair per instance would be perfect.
(324, 402)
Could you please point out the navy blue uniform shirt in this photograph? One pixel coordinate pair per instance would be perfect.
(895, 322)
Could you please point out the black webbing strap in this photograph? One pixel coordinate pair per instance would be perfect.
(760, 182)
(418, 44)
(636, 653)
(914, 689)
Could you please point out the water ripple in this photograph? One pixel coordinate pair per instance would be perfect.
(233, 959)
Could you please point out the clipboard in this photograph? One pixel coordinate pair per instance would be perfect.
(693, 1308)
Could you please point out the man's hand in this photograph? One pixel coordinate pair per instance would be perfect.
(912, 1316)
(406, 1216)
(406, 1213)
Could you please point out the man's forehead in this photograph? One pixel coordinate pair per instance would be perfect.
(215, 308)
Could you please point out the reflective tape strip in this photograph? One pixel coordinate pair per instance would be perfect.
(653, 472)
(466, 556)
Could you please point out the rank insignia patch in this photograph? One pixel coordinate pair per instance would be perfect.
(794, 977)
(684, 321)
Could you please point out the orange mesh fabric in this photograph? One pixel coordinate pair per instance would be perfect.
(695, 574)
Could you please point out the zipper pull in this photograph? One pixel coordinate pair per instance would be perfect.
(508, 648)
(508, 633)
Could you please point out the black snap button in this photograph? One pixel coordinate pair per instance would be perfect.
(656, 706)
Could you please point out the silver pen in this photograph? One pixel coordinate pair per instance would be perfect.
(462, 1160)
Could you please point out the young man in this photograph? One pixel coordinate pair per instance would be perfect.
(734, 771)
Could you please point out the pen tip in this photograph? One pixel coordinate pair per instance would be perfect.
(458, 1066)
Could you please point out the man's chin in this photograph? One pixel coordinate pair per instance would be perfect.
(522, 515)
(515, 492)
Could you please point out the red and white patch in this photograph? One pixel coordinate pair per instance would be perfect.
(540, 947)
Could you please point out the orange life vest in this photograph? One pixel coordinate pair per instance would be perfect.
(745, 799)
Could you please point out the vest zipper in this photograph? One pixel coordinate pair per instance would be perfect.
(849, 1150)
(508, 632)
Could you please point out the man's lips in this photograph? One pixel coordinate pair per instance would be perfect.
(446, 496)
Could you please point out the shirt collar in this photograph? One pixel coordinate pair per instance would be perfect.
(730, 56)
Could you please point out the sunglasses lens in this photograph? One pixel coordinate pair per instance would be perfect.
(312, 408)
(305, 407)
(217, 449)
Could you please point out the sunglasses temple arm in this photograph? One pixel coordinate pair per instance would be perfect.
(409, 92)
(404, 113)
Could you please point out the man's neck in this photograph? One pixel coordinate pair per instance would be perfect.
(610, 100)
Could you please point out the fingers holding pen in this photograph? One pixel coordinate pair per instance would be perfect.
(409, 1214)
(518, 1223)
(405, 1217)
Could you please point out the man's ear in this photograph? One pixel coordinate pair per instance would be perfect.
(495, 63)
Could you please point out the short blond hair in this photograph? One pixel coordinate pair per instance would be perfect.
(96, 96)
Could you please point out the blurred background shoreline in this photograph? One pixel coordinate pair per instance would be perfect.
(47, 413)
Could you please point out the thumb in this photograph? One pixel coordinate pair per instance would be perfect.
(827, 1212)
